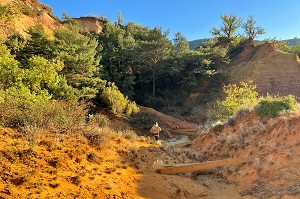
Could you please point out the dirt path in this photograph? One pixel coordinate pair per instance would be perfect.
(177, 141)
(182, 186)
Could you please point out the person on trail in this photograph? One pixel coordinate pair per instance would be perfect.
(155, 129)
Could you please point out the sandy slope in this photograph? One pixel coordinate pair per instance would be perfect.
(47, 165)
(21, 23)
(273, 71)
(273, 145)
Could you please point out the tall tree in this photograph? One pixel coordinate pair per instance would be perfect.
(180, 42)
(199, 63)
(155, 48)
(78, 54)
(251, 30)
(228, 30)
(119, 55)
(38, 43)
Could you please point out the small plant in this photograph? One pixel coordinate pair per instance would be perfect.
(271, 160)
(257, 163)
(129, 135)
(272, 106)
(233, 139)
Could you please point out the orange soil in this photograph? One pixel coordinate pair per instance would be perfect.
(273, 145)
(272, 71)
(48, 165)
(168, 122)
(65, 166)
(21, 23)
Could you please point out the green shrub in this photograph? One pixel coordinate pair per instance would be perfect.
(17, 106)
(272, 106)
(117, 102)
(238, 96)
(131, 108)
(20, 108)
(29, 11)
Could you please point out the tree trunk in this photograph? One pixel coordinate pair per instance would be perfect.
(141, 82)
(153, 82)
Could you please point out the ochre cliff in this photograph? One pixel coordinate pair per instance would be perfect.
(273, 71)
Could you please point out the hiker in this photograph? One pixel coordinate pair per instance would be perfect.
(155, 129)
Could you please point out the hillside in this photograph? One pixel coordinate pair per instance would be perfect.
(273, 71)
(292, 42)
(18, 16)
(99, 163)
(67, 133)
(196, 43)
(111, 161)
(272, 145)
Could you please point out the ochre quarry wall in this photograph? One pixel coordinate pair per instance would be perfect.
(90, 24)
(272, 71)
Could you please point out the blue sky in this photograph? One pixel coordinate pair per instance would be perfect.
(193, 18)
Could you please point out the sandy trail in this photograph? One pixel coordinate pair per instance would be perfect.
(181, 186)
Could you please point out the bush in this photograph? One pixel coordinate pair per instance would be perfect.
(116, 101)
(238, 96)
(19, 106)
(31, 110)
(272, 106)
(132, 108)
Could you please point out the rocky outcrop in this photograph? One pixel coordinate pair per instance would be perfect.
(91, 24)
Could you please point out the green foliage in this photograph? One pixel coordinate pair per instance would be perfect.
(117, 101)
(119, 56)
(15, 42)
(131, 108)
(80, 63)
(202, 62)
(42, 77)
(37, 44)
(272, 106)
(155, 48)
(281, 45)
(19, 110)
(10, 73)
(228, 30)
(251, 30)
(180, 42)
(18, 106)
(238, 97)
(7, 12)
